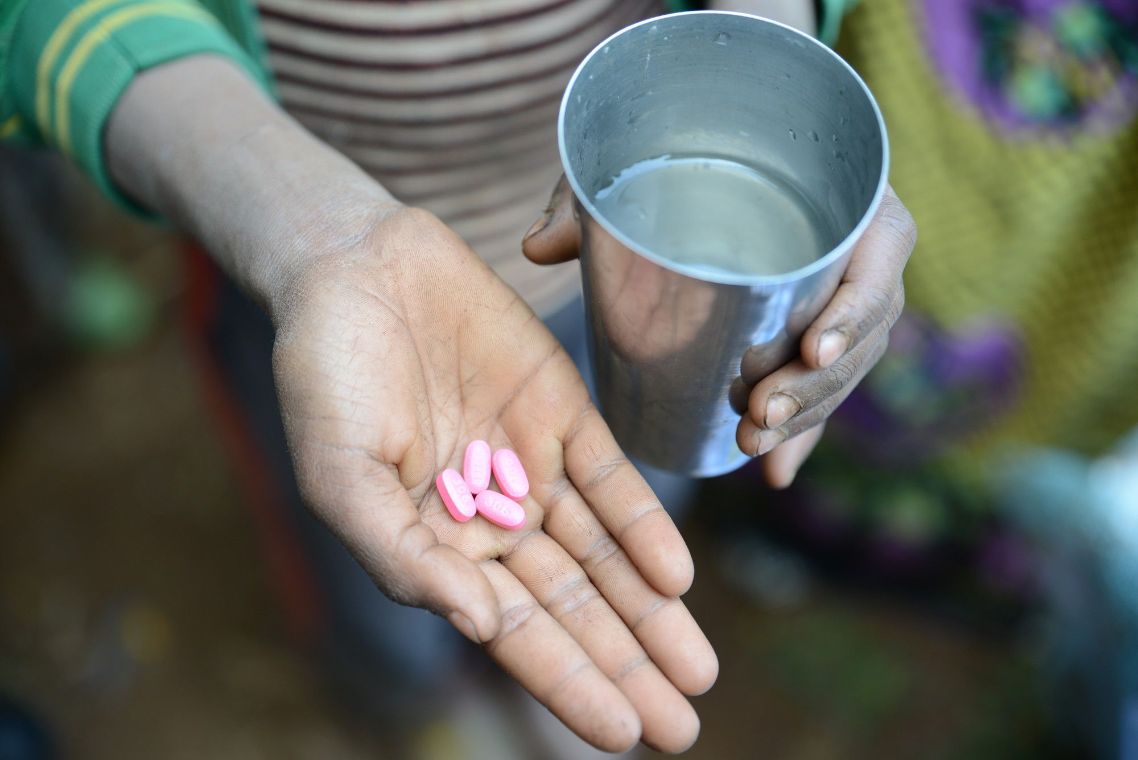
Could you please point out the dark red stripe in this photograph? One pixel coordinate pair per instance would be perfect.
(425, 122)
(611, 10)
(479, 159)
(381, 31)
(490, 208)
(448, 192)
(566, 65)
(476, 240)
(513, 128)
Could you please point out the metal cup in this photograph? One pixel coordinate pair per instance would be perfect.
(667, 341)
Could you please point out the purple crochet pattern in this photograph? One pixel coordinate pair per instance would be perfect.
(1039, 66)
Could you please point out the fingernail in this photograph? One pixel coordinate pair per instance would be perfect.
(831, 346)
(539, 225)
(765, 440)
(464, 626)
(780, 408)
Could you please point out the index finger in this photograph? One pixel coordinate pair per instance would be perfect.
(868, 294)
(561, 433)
(625, 504)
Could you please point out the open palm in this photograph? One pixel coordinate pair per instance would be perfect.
(394, 357)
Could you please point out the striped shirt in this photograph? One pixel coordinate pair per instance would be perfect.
(450, 104)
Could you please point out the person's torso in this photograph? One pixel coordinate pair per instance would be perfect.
(451, 104)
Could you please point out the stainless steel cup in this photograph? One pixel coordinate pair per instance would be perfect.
(668, 341)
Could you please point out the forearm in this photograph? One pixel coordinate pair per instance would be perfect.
(198, 142)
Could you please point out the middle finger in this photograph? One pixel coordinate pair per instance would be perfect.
(562, 587)
(662, 624)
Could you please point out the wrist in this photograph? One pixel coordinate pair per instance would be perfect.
(198, 142)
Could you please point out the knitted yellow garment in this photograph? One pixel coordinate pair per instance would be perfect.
(1034, 225)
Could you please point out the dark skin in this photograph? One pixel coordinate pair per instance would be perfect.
(396, 346)
(786, 410)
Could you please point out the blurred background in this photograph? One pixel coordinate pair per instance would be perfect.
(953, 575)
(138, 618)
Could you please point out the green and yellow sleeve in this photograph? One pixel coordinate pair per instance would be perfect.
(65, 63)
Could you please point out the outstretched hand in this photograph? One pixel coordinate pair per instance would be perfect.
(391, 357)
(395, 347)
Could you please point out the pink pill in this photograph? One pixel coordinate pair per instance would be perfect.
(500, 510)
(456, 495)
(509, 474)
(476, 466)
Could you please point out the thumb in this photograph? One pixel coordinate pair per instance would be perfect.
(556, 236)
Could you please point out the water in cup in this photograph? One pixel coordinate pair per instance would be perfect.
(717, 216)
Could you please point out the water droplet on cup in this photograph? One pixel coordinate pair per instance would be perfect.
(813, 135)
(793, 134)
(722, 38)
(834, 138)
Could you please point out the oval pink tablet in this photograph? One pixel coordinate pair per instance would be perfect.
(456, 495)
(476, 466)
(509, 474)
(500, 510)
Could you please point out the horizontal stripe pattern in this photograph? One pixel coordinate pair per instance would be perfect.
(451, 104)
(429, 52)
(357, 24)
(411, 16)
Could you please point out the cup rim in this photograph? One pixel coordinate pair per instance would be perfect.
(726, 278)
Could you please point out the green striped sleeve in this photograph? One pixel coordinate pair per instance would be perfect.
(68, 62)
(12, 125)
(239, 17)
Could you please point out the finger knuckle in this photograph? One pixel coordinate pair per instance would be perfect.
(599, 552)
(880, 300)
(896, 305)
(630, 667)
(515, 619)
(899, 221)
(656, 605)
(841, 374)
(604, 470)
(572, 597)
(823, 387)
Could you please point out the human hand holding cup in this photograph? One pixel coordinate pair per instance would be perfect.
(684, 341)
